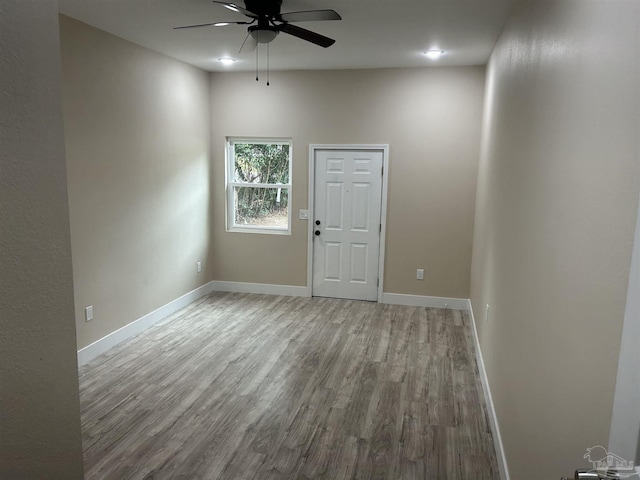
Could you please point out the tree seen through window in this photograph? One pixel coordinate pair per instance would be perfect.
(261, 184)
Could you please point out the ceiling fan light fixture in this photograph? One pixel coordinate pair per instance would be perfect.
(434, 54)
(264, 35)
(226, 61)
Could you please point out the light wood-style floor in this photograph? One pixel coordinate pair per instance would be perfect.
(240, 386)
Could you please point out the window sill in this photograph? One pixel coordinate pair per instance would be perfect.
(260, 230)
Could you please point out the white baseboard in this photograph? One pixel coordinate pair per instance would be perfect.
(493, 419)
(424, 301)
(99, 347)
(263, 288)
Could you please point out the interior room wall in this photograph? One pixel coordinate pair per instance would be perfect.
(555, 217)
(137, 128)
(431, 120)
(39, 405)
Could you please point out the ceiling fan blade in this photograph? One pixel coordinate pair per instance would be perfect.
(307, 35)
(215, 24)
(249, 44)
(236, 8)
(310, 16)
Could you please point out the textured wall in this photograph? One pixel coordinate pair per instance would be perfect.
(555, 218)
(39, 407)
(430, 118)
(137, 139)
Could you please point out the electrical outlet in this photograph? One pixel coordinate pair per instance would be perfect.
(420, 274)
(446, 306)
(486, 313)
(199, 266)
(88, 313)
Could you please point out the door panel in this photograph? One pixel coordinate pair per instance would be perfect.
(360, 214)
(359, 262)
(348, 194)
(332, 261)
(334, 207)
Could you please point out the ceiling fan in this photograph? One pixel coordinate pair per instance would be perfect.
(266, 22)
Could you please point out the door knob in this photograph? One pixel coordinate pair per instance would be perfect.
(317, 222)
(317, 232)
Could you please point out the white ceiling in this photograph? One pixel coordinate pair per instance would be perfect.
(372, 33)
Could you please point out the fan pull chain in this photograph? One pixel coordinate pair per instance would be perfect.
(267, 64)
(257, 62)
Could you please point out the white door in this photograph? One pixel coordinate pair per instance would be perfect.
(347, 203)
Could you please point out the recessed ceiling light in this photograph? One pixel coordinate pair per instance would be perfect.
(434, 54)
(227, 61)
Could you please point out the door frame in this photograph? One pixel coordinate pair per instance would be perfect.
(313, 148)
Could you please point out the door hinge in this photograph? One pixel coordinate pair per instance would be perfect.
(382, 171)
(380, 228)
(378, 283)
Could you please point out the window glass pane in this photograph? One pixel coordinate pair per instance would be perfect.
(261, 207)
(261, 163)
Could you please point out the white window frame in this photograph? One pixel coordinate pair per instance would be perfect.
(231, 184)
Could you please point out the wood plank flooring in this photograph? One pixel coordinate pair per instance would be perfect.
(242, 386)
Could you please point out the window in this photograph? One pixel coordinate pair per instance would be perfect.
(258, 185)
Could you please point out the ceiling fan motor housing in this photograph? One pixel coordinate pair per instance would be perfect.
(262, 8)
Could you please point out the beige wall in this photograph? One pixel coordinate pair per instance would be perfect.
(556, 210)
(430, 118)
(39, 405)
(137, 136)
